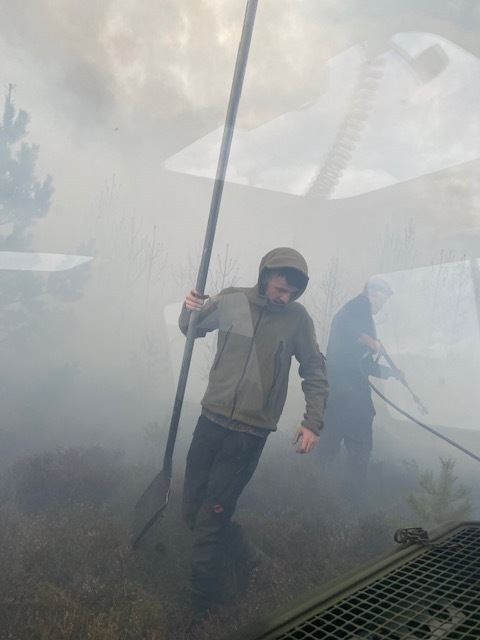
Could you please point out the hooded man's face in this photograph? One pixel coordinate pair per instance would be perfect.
(278, 291)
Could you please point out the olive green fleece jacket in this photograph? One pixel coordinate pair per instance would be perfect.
(256, 341)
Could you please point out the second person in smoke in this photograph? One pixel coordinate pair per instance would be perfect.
(259, 329)
(352, 353)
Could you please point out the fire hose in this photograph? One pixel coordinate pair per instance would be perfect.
(423, 425)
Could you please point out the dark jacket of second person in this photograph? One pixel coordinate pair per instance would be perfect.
(349, 362)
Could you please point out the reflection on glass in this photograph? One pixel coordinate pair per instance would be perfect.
(406, 111)
(21, 261)
(432, 329)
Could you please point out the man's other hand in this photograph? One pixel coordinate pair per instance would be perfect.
(194, 300)
(304, 440)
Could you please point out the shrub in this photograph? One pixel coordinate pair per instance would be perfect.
(60, 479)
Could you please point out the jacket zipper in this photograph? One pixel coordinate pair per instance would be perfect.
(276, 370)
(246, 364)
(219, 355)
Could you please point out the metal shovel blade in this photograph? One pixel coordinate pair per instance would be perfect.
(150, 507)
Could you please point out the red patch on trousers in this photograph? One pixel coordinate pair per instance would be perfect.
(217, 508)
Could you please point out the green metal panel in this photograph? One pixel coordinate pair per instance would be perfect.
(429, 592)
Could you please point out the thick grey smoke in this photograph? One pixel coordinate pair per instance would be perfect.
(114, 89)
(358, 145)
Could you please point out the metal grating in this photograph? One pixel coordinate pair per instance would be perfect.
(434, 596)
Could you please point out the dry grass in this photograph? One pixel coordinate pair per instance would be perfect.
(67, 572)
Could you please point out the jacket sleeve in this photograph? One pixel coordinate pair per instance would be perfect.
(313, 372)
(208, 318)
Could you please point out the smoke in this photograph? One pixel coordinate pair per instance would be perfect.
(115, 88)
(136, 60)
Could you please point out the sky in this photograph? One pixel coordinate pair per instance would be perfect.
(117, 91)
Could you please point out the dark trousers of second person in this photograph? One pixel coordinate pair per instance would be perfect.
(220, 463)
(356, 435)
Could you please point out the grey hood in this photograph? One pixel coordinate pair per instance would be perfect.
(285, 257)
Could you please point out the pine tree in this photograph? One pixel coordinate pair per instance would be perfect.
(33, 319)
(23, 198)
(441, 498)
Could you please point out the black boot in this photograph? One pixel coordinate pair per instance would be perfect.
(196, 621)
(243, 560)
(195, 624)
(201, 607)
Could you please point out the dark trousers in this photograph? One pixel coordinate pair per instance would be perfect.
(220, 463)
(356, 435)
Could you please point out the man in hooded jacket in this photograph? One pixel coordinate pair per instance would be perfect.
(259, 329)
